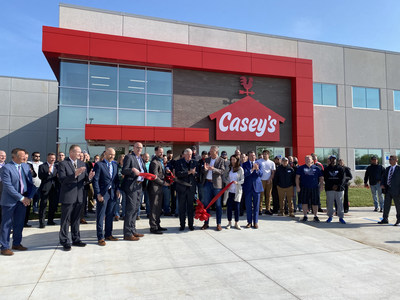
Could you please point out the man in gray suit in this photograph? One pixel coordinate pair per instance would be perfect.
(132, 186)
(155, 190)
(391, 187)
(214, 167)
(72, 174)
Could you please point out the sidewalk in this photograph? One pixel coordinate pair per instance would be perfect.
(283, 259)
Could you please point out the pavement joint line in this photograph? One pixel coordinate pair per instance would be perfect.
(44, 269)
(262, 273)
(140, 271)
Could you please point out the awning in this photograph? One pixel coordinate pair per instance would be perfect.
(98, 133)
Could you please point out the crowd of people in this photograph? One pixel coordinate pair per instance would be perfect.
(117, 189)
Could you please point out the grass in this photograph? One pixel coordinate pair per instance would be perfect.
(358, 197)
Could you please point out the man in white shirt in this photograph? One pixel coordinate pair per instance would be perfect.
(268, 168)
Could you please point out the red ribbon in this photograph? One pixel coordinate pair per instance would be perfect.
(201, 212)
(148, 176)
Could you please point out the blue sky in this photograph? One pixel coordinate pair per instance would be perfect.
(371, 24)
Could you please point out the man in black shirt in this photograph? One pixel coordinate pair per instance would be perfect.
(285, 180)
(334, 188)
(374, 174)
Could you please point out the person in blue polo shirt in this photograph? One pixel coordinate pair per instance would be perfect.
(309, 179)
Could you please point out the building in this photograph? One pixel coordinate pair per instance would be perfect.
(124, 78)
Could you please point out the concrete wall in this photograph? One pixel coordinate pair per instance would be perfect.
(344, 127)
(28, 115)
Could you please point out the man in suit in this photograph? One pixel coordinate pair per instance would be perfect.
(72, 174)
(3, 157)
(185, 170)
(391, 187)
(48, 190)
(252, 187)
(106, 187)
(214, 167)
(132, 186)
(16, 196)
(155, 190)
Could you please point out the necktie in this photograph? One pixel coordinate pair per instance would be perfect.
(389, 181)
(51, 169)
(75, 165)
(21, 181)
(110, 169)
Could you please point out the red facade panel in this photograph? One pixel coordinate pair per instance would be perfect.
(59, 42)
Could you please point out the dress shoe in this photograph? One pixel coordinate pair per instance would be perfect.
(41, 226)
(79, 244)
(191, 228)
(381, 210)
(111, 238)
(83, 221)
(182, 228)
(67, 247)
(268, 212)
(101, 242)
(204, 227)
(383, 222)
(168, 215)
(162, 228)
(7, 252)
(397, 223)
(137, 218)
(116, 218)
(19, 248)
(292, 215)
(138, 235)
(27, 225)
(155, 231)
(320, 210)
(255, 226)
(51, 223)
(316, 219)
(375, 209)
(219, 228)
(131, 238)
(248, 225)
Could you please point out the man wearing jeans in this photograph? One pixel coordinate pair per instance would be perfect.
(334, 188)
(374, 175)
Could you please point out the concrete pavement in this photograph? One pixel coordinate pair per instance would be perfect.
(283, 259)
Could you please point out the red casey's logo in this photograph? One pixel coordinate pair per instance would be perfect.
(247, 119)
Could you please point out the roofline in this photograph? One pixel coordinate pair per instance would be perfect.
(224, 28)
(27, 78)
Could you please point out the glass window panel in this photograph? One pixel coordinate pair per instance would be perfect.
(159, 119)
(71, 136)
(159, 82)
(102, 116)
(324, 153)
(131, 100)
(74, 74)
(158, 102)
(359, 97)
(396, 97)
(64, 147)
(131, 117)
(103, 77)
(71, 117)
(398, 154)
(363, 157)
(102, 98)
(317, 93)
(329, 94)
(73, 96)
(95, 150)
(373, 98)
(132, 80)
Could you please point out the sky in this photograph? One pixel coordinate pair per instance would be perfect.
(361, 23)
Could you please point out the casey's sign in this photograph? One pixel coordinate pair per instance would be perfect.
(247, 119)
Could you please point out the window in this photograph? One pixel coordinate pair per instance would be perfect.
(398, 154)
(94, 93)
(362, 157)
(396, 100)
(273, 151)
(325, 94)
(324, 153)
(230, 150)
(366, 98)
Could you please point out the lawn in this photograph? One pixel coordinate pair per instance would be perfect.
(358, 196)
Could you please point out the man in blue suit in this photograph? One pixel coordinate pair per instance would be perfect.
(106, 187)
(16, 196)
(252, 187)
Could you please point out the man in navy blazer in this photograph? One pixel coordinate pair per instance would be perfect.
(72, 174)
(391, 185)
(16, 196)
(252, 187)
(106, 187)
